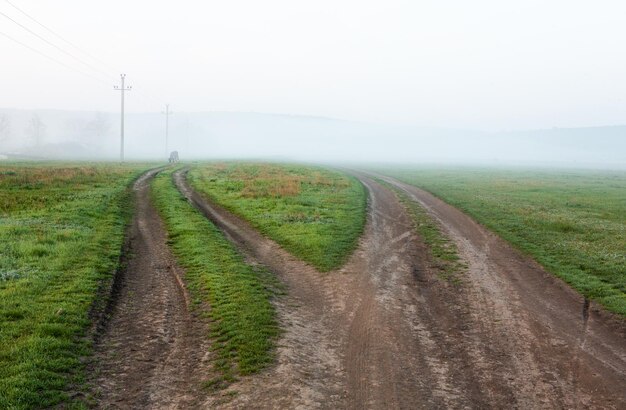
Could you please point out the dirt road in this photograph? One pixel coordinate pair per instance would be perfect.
(153, 353)
(384, 332)
(562, 350)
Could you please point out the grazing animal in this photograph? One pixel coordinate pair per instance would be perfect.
(173, 157)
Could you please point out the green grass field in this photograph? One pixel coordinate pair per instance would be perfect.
(572, 222)
(62, 228)
(243, 325)
(61, 234)
(316, 214)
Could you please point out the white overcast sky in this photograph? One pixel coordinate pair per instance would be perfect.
(485, 64)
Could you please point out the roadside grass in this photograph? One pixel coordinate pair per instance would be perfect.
(572, 222)
(242, 319)
(61, 233)
(315, 213)
(443, 251)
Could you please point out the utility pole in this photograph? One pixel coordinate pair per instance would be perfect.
(187, 135)
(122, 89)
(167, 113)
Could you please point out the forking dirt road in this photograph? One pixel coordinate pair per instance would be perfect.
(383, 331)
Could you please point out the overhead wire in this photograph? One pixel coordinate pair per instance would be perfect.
(61, 37)
(147, 97)
(53, 59)
(53, 45)
(150, 100)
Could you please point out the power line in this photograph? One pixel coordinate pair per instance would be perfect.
(61, 37)
(54, 45)
(53, 59)
(147, 96)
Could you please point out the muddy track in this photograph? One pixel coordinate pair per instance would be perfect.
(560, 349)
(152, 352)
(385, 332)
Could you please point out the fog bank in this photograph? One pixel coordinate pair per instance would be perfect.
(54, 134)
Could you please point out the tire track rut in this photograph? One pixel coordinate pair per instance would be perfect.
(153, 352)
(562, 350)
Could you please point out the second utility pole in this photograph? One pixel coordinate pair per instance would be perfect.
(167, 113)
(122, 89)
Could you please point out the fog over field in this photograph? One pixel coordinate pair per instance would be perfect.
(95, 135)
(396, 81)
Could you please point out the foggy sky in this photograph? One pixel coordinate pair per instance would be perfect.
(483, 64)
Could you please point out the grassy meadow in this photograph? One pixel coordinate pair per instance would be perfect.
(315, 213)
(571, 222)
(61, 233)
(242, 319)
(62, 228)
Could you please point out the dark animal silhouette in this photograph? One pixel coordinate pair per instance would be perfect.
(173, 157)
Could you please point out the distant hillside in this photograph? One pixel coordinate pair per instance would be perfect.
(77, 134)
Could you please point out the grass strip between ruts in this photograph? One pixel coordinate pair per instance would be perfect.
(243, 326)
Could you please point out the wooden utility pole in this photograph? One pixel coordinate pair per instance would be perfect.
(167, 113)
(122, 89)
